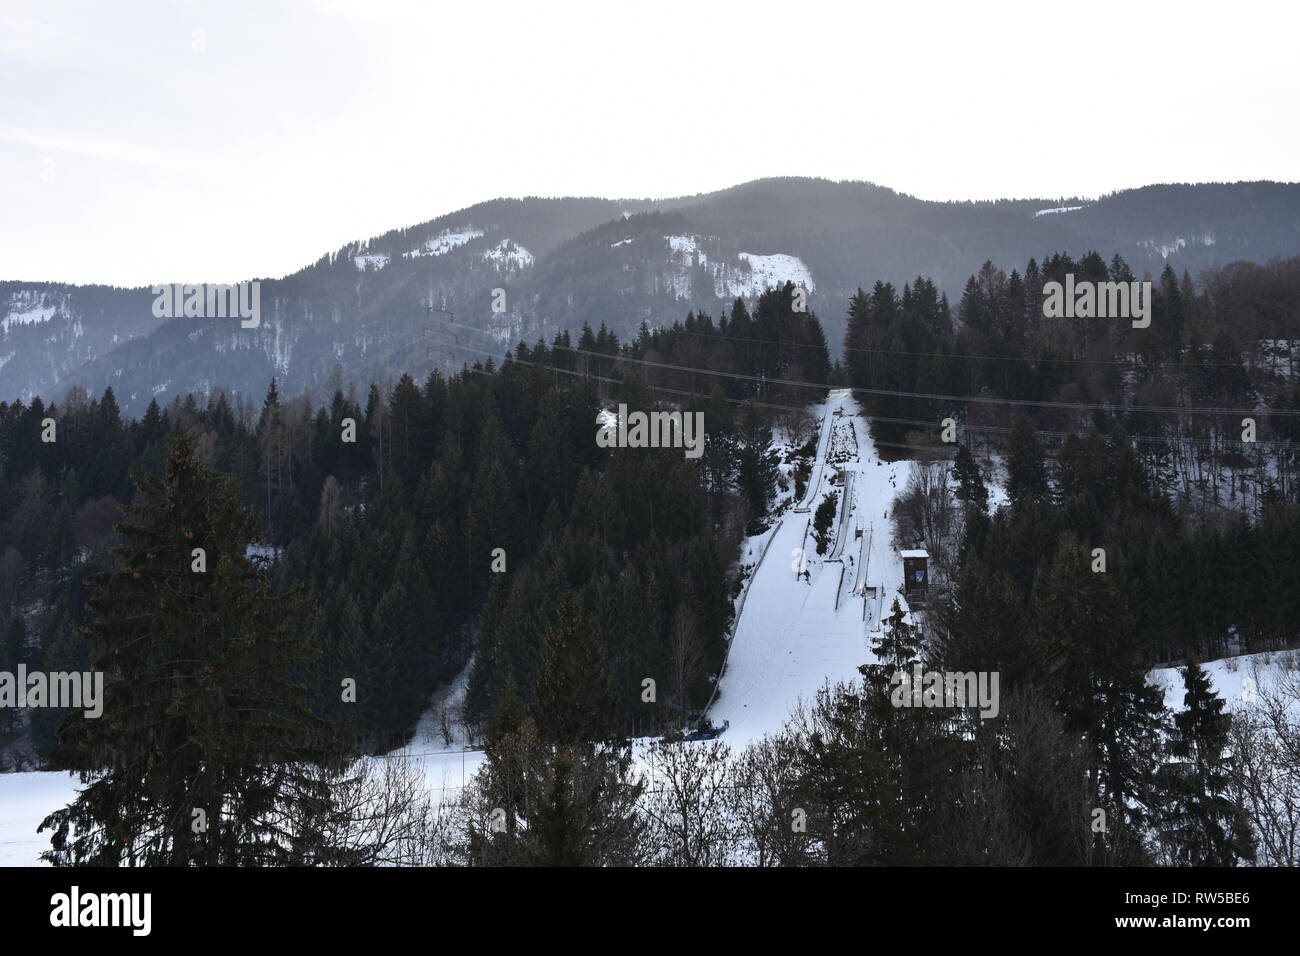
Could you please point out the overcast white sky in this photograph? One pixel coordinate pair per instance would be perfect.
(128, 156)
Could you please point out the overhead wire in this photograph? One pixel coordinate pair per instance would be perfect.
(925, 396)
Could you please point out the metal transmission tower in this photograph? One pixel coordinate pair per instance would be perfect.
(430, 309)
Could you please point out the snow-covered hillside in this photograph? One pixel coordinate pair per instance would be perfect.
(1238, 680)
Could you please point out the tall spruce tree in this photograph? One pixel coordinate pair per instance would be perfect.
(1201, 826)
(564, 784)
(823, 518)
(970, 481)
(574, 702)
(204, 749)
(1026, 469)
(1088, 655)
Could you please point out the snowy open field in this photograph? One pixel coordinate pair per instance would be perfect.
(1237, 680)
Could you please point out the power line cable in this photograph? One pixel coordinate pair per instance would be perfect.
(927, 396)
(1145, 439)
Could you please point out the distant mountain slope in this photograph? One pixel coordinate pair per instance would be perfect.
(563, 262)
(49, 331)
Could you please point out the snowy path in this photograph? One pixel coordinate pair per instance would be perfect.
(446, 767)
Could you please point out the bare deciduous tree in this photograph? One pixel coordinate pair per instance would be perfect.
(762, 800)
(690, 820)
(1265, 746)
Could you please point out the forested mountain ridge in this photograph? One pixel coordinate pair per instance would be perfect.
(562, 262)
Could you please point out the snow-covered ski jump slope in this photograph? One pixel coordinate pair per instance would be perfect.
(794, 632)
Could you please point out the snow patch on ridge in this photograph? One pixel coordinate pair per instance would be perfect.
(29, 308)
(508, 254)
(748, 278)
(445, 242)
(1058, 209)
(769, 272)
(1168, 247)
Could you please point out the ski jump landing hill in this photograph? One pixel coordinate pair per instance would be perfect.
(794, 633)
